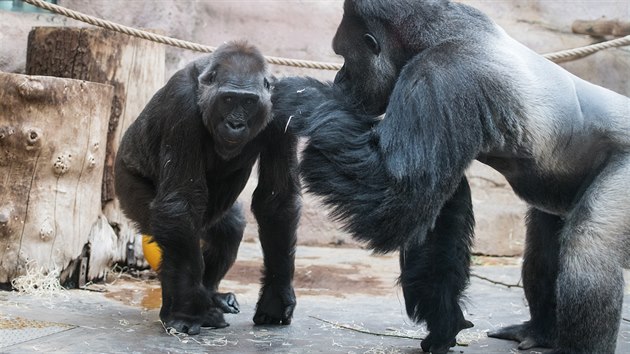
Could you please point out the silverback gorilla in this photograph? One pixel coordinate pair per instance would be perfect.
(454, 87)
(182, 164)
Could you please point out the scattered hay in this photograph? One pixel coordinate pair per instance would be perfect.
(469, 336)
(360, 329)
(382, 350)
(38, 281)
(463, 339)
(217, 341)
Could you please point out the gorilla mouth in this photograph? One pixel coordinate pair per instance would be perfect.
(228, 152)
(229, 146)
(233, 142)
(231, 139)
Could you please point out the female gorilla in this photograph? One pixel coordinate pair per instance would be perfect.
(182, 164)
(455, 87)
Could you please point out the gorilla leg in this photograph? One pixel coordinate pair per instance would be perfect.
(593, 246)
(540, 270)
(435, 273)
(220, 248)
(135, 195)
(185, 301)
(276, 206)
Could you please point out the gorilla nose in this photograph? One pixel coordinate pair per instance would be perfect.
(235, 125)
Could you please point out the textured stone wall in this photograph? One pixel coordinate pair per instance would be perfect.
(304, 30)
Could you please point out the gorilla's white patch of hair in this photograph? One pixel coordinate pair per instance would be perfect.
(549, 106)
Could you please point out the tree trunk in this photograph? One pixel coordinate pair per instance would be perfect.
(135, 68)
(52, 150)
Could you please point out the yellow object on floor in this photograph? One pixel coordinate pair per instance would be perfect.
(152, 252)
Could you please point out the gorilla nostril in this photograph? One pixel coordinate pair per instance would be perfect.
(235, 125)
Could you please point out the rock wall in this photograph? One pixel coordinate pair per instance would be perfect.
(304, 30)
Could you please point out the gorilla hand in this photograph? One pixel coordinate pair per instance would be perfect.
(275, 305)
(226, 302)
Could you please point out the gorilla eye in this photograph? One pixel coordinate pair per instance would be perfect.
(372, 43)
(266, 83)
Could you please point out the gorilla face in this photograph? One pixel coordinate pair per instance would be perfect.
(235, 101)
(373, 59)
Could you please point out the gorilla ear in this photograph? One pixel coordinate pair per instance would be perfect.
(267, 84)
(372, 43)
(207, 77)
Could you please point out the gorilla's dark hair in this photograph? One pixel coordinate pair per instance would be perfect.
(236, 52)
(180, 168)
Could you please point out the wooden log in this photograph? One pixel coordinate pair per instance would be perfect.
(135, 68)
(601, 27)
(52, 150)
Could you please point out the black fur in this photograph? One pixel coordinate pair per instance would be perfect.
(454, 87)
(182, 164)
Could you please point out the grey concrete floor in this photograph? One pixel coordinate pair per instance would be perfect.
(338, 290)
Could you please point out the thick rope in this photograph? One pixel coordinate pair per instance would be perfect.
(576, 53)
(558, 57)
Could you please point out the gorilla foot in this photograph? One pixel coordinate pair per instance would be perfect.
(274, 314)
(214, 318)
(275, 305)
(526, 334)
(192, 324)
(435, 345)
(226, 302)
(428, 346)
(261, 318)
(183, 326)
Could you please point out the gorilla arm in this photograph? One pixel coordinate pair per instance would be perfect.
(276, 205)
(398, 183)
(176, 217)
(387, 181)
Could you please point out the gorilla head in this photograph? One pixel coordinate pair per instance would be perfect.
(234, 97)
(377, 38)
(373, 54)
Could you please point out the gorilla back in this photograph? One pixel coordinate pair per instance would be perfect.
(455, 87)
(182, 164)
